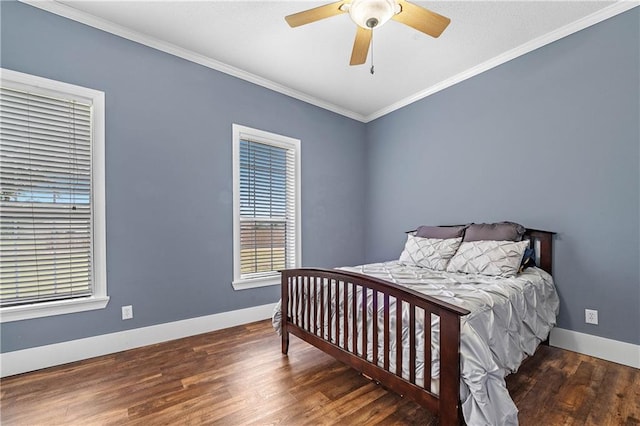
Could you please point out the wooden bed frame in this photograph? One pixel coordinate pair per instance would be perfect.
(301, 318)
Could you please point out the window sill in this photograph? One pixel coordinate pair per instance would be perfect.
(256, 282)
(57, 307)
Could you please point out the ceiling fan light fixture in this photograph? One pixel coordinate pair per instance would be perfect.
(370, 14)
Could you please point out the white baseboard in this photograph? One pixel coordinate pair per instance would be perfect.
(599, 347)
(39, 357)
(31, 359)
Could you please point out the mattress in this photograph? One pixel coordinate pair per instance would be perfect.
(508, 319)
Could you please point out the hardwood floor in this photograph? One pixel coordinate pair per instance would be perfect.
(238, 376)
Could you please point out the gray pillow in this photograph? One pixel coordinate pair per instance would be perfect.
(503, 231)
(440, 232)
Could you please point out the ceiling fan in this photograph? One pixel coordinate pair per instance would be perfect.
(370, 14)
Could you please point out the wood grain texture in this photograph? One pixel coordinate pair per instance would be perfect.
(421, 19)
(361, 46)
(315, 14)
(239, 376)
(558, 387)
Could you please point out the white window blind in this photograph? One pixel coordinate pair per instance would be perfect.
(267, 233)
(45, 204)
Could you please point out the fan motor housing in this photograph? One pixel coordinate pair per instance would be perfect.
(371, 13)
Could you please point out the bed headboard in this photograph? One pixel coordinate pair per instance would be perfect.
(542, 243)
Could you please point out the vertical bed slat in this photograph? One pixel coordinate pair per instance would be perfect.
(314, 285)
(294, 300)
(337, 313)
(365, 329)
(313, 308)
(300, 301)
(354, 324)
(319, 307)
(399, 304)
(307, 313)
(284, 284)
(329, 311)
(412, 343)
(322, 309)
(386, 331)
(427, 350)
(345, 316)
(374, 322)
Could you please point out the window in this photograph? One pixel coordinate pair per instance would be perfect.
(266, 213)
(52, 240)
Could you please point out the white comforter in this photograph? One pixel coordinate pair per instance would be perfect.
(509, 318)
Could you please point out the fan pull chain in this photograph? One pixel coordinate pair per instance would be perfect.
(372, 70)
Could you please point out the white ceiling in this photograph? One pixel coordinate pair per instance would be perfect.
(251, 39)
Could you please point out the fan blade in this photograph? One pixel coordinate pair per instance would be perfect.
(361, 46)
(421, 19)
(315, 14)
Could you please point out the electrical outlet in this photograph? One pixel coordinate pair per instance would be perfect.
(591, 316)
(127, 312)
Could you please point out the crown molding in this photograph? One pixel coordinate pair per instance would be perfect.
(110, 27)
(574, 27)
(93, 21)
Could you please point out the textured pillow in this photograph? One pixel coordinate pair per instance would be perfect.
(432, 253)
(441, 232)
(503, 231)
(498, 258)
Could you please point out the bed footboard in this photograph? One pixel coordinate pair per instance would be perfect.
(348, 316)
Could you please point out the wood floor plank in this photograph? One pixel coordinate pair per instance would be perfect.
(238, 376)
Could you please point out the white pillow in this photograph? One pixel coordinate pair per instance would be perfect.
(432, 253)
(498, 258)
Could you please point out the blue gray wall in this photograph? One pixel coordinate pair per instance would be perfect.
(550, 140)
(168, 167)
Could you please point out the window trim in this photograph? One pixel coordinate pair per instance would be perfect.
(273, 139)
(99, 298)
